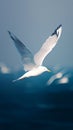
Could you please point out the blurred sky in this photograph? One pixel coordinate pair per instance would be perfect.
(32, 21)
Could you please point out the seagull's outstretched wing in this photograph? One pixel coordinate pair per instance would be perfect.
(26, 55)
(48, 46)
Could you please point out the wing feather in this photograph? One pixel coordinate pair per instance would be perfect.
(47, 46)
(26, 55)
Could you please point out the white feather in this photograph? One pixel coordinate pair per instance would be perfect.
(33, 64)
(47, 46)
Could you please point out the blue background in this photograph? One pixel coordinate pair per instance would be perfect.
(33, 103)
(32, 21)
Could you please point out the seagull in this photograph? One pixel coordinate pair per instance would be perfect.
(33, 64)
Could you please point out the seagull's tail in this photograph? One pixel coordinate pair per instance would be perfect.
(15, 80)
(20, 78)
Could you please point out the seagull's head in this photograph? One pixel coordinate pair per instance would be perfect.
(43, 69)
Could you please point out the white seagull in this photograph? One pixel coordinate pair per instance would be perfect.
(33, 64)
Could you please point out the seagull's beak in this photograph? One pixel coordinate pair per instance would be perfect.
(49, 70)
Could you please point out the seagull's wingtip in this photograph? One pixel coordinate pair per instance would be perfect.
(58, 31)
(60, 26)
(11, 35)
(9, 32)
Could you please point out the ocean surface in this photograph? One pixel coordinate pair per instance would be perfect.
(44, 102)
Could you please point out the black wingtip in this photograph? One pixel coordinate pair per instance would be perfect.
(9, 32)
(11, 35)
(55, 32)
(59, 26)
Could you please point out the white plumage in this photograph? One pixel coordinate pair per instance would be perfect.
(33, 64)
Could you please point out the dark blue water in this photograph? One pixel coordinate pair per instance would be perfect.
(32, 104)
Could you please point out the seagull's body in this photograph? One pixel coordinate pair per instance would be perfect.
(34, 72)
(33, 64)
